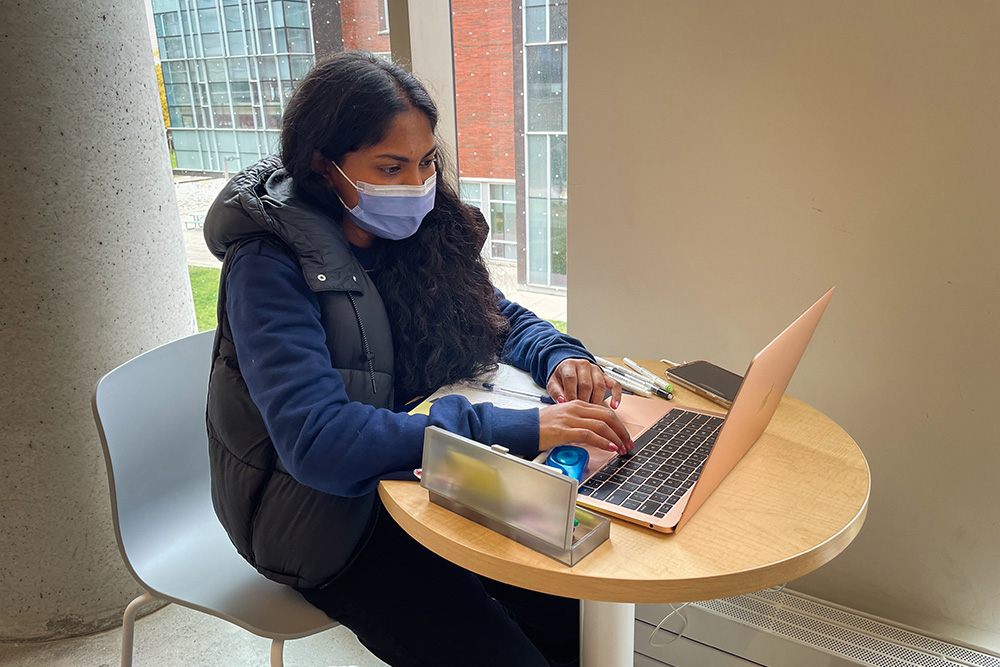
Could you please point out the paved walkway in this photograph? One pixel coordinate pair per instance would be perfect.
(195, 195)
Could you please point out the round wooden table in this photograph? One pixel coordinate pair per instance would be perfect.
(795, 501)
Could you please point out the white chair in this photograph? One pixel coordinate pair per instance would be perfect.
(150, 413)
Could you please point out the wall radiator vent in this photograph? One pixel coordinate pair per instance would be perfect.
(860, 639)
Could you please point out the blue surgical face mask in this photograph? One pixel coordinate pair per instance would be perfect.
(391, 212)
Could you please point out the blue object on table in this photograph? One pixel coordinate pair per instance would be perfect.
(570, 460)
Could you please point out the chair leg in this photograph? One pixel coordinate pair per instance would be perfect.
(277, 650)
(128, 626)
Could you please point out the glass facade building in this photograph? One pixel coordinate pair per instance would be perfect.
(228, 67)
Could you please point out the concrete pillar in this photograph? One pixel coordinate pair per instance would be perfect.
(92, 272)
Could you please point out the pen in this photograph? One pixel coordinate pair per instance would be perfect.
(634, 382)
(662, 384)
(622, 371)
(641, 388)
(520, 394)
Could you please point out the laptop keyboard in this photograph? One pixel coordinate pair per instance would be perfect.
(665, 463)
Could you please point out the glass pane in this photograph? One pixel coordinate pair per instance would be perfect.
(239, 70)
(213, 45)
(237, 43)
(558, 240)
(172, 47)
(272, 116)
(471, 193)
(175, 72)
(189, 160)
(178, 94)
(277, 15)
(546, 81)
(270, 90)
(557, 163)
(233, 18)
(170, 24)
(534, 24)
(219, 94)
(284, 69)
(263, 12)
(510, 192)
(280, 41)
(266, 39)
(301, 66)
(297, 14)
(267, 68)
(557, 21)
(241, 92)
(217, 70)
(176, 117)
(164, 6)
(298, 40)
(538, 242)
(497, 226)
(244, 117)
(226, 142)
(510, 222)
(186, 141)
(208, 20)
(537, 165)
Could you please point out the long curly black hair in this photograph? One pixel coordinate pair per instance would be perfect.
(443, 310)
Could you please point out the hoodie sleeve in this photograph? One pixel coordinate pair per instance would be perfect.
(325, 440)
(534, 345)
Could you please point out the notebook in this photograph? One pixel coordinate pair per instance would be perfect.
(682, 454)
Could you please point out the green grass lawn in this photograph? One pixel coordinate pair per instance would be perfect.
(205, 290)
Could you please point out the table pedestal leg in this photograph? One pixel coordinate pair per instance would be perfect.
(607, 634)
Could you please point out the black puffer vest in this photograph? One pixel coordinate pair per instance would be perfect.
(291, 533)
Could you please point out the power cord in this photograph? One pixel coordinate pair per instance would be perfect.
(678, 634)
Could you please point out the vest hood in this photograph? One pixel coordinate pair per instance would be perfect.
(262, 199)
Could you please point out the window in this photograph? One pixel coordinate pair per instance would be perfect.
(545, 108)
(498, 202)
(383, 18)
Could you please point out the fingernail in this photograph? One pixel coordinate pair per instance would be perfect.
(615, 404)
(612, 447)
(631, 445)
(560, 399)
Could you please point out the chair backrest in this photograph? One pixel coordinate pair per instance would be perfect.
(150, 412)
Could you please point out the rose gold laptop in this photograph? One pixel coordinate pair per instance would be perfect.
(681, 455)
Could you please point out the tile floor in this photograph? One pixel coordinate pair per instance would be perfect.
(178, 637)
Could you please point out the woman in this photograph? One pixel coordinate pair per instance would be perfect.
(351, 287)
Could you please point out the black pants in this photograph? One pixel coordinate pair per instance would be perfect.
(411, 607)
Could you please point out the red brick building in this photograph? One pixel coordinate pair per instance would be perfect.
(364, 25)
(484, 87)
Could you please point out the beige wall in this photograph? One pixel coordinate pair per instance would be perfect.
(749, 156)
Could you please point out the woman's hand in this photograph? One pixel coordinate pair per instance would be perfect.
(585, 423)
(579, 379)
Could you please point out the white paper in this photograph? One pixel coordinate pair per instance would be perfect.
(506, 377)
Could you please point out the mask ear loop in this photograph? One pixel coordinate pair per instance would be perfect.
(355, 185)
(344, 175)
(659, 626)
